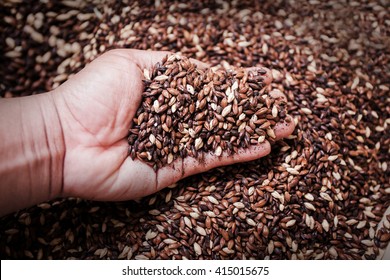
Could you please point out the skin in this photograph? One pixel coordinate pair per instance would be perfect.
(72, 141)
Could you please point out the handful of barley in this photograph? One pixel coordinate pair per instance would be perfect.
(188, 111)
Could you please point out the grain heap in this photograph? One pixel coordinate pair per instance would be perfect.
(186, 111)
(319, 195)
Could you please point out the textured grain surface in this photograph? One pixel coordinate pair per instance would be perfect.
(319, 195)
(188, 111)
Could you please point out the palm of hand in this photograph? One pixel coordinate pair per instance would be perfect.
(100, 103)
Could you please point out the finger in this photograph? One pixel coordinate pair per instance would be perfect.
(200, 64)
(267, 76)
(188, 166)
(143, 59)
(147, 59)
(284, 128)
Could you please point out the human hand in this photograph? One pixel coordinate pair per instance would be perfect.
(96, 108)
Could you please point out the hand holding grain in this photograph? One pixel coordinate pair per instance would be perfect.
(97, 107)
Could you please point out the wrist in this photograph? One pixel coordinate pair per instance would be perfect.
(32, 152)
(54, 143)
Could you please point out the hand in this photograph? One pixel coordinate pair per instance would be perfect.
(96, 108)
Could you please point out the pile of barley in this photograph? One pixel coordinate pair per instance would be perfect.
(320, 194)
